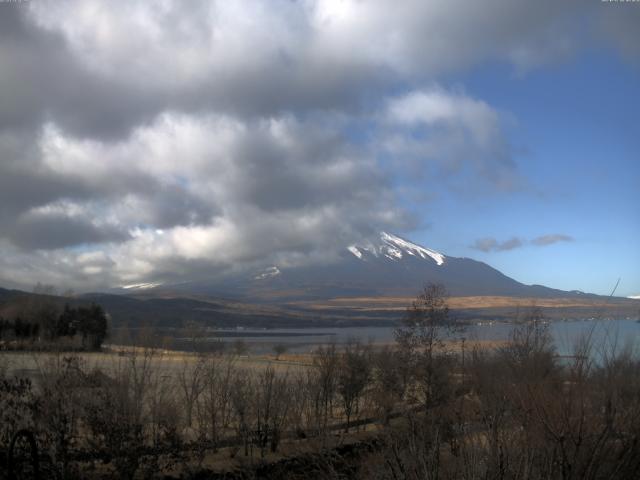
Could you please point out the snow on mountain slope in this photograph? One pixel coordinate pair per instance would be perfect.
(140, 286)
(395, 248)
(268, 273)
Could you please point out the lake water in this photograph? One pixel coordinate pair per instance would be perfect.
(565, 334)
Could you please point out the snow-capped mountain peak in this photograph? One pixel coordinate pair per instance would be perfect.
(395, 248)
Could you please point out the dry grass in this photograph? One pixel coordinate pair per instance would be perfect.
(473, 302)
(115, 357)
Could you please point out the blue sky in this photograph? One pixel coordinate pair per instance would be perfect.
(577, 132)
(162, 142)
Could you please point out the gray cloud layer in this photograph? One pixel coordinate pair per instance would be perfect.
(143, 141)
(490, 244)
(551, 239)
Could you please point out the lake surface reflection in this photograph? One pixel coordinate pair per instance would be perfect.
(565, 334)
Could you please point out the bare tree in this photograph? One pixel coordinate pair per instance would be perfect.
(63, 379)
(214, 408)
(422, 342)
(531, 351)
(241, 394)
(325, 375)
(240, 347)
(353, 377)
(426, 322)
(191, 380)
(271, 408)
(279, 349)
(114, 421)
(195, 334)
(302, 395)
(391, 379)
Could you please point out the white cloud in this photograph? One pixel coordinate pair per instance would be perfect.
(437, 106)
(149, 140)
(190, 194)
(250, 56)
(453, 132)
(211, 190)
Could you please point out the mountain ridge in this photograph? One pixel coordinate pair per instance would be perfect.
(388, 265)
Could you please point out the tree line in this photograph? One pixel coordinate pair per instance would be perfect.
(88, 324)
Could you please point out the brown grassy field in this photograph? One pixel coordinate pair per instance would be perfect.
(476, 302)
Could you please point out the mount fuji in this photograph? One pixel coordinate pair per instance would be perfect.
(386, 266)
(370, 282)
